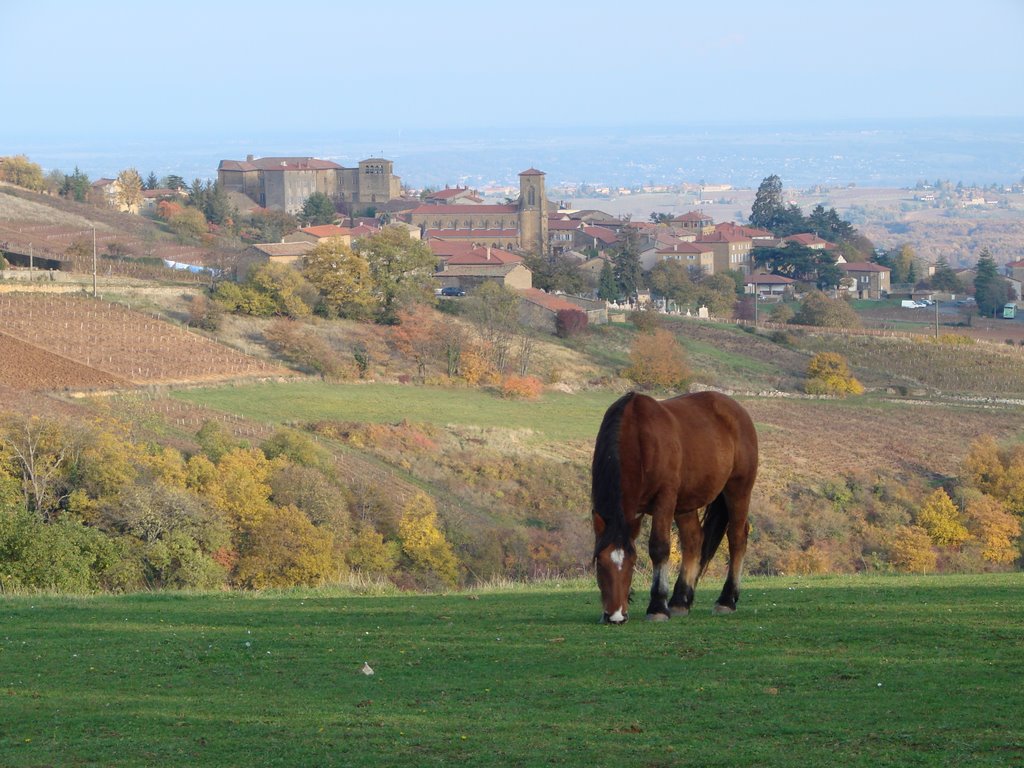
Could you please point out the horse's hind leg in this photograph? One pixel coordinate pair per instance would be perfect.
(660, 548)
(691, 538)
(737, 536)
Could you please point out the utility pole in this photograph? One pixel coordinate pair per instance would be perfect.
(94, 261)
(936, 318)
(30, 262)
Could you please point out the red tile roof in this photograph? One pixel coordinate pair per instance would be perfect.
(862, 266)
(549, 301)
(472, 234)
(723, 237)
(693, 216)
(808, 239)
(683, 248)
(327, 230)
(605, 235)
(278, 164)
(484, 255)
(443, 209)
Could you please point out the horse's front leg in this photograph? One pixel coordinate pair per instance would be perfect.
(691, 537)
(660, 548)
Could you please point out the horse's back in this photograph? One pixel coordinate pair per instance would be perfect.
(700, 426)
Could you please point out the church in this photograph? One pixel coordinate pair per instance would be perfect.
(522, 224)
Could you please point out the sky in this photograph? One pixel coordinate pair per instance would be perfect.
(194, 69)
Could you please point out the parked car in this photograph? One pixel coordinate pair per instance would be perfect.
(452, 290)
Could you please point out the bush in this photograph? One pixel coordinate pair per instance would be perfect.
(658, 361)
(570, 322)
(521, 387)
(829, 374)
(818, 309)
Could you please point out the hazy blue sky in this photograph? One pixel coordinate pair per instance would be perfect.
(74, 69)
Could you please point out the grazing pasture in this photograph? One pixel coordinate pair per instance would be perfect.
(851, 671)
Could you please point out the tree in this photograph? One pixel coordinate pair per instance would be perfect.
(944, 278)
(718, 293)
(829, 374)
(76, 186)
(217, 205)
(626, 267)
(151, 182)
(189, 225)
(939, 516)
(423, 544)
(670, 279)
(402, 269)
(991, 291)
(558, 273)
(799, 263)
(657, 360)
(996, 530)
(292, 294)
(318, 209)
(818, 309)
(494, 310)
(901, 264)
(284, 549)
(911, 549)
(175, 182)
(129, 190)
(768, 203)
(342, 277)
(22, 172)
(607, 288)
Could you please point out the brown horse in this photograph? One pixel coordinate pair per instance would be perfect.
(670, 459)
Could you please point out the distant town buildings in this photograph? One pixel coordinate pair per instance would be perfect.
(285, 183)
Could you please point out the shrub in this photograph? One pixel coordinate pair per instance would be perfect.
(285, 549)
(570, 322)
(521, 387)
(658, 361)
(818, 309)
(829, 374)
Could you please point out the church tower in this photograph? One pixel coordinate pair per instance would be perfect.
(533, 213)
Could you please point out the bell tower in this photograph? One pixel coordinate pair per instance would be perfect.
(533, 212)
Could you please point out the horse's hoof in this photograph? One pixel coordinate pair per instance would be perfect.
(680, 611)
(723, 610)
(657, 617)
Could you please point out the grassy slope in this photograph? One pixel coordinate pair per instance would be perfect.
(916, 671)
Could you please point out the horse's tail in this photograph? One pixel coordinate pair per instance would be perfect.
(716, 520)
(606, 474)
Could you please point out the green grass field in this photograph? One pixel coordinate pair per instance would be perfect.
(555, 416)
(880, 671)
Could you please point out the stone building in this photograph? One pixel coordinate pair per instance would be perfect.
(523, 224)
(284, 183)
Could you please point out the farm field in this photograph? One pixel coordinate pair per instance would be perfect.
(94, 344)
(799, 437)
(852, 671)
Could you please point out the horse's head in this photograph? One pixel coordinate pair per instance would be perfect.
(614, 563)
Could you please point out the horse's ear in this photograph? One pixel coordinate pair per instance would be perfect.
(599, 524)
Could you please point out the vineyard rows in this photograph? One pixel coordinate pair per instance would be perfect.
(118, 341)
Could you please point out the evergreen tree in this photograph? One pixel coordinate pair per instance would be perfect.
(626, 267)
(768, 202)
(607, 288)
(991, 291)
(151, 182)
(76, 186)
(318, 209)
(944, 278)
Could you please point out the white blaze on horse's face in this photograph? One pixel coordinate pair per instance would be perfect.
(614, 577)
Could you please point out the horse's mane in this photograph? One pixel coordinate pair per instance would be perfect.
(606, 488)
